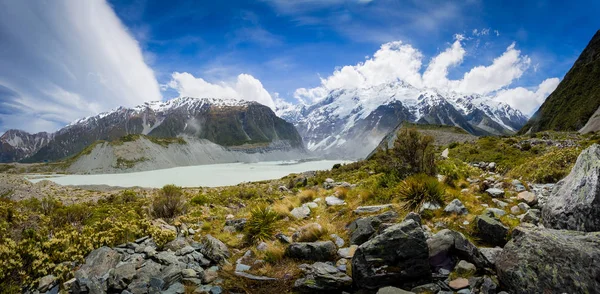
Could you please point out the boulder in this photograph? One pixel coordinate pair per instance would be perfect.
(455, 206)
(398, 255)
(446, 247)
(457, 284)
(214, 249)
(574, 203)
(301, 212)
(497, 212)
(321, 276)
(465, 269)
(540, 260)
(347, 252)
(371, 209)
(334, 201)
(46, 283)
(91, 277)
(495, 192)
(363, 228)
(532, 216)
(433, 206)
(317, 251)
(527, 197)
(490, 253)
(121, 276)
(237, 224)
(491, 230)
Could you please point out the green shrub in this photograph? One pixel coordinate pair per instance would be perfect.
(200, 199)
(453, 145)
(168, 203)
(418, 189)
(261, 225)
(412, 154)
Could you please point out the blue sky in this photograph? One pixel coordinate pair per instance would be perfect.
(66, 59)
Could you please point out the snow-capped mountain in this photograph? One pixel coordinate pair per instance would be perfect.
(226, 122)
(16, 144)
(349, 123)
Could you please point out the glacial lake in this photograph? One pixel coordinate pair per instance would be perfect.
(211, 175)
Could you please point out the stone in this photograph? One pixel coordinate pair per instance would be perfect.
(553, 260)
(121, 276)
(455, 206)
(523, 206)
(311, 205)
(185, 250)
(214, 249)
(426, 289)
(321, 276)
(445, 153)
(491, 230)
(527, 197)
(397, 255)
(363, 228)
(414, 216)
(301, 212)
(574, 203)
(459, 283)
(178, 243)
(93, 274)
(495, 192)
(171, 275)
(308, 233)
(163, 225)
(494, 212)
(339, 242)
(500, 203)
(191, 231)
(166, 258)
(334, 201)
(515, 210)
(532, 216)
(371, 209)
(433, 206)
(176, 288)
(347, 252)
(490, 253)
(238, 224)
(262, 246)
(447, 246)
(188, 273)
(393, 290)
(46, 283)
(317, 251)
(465, 269)
(488, 286)
(283, 238)
(210, 275)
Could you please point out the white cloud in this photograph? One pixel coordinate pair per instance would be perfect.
(436, 74)
(245, 87)
(525, 100)
(63, 60)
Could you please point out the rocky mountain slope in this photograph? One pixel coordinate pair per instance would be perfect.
(575, 104)
(350, 123)
(16, 144)
(142, 153)
(231, 123)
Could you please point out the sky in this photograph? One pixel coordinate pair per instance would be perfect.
(61, 60)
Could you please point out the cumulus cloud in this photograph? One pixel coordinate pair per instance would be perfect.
(245, 87)
(399, 61)
(525, 100)
(62, 60)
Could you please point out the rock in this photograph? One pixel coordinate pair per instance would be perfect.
(188, 273)
(527, 197)
(393, 290)
(488, 286)
(371, 209)
(321, 276)
(311, 205)
(494, 212)
(574, 203)
(491, 230)
(166, 258)
(532, 216)
(490, 253)
(447, 246)
(433, 206)
(46, 283)
(214, 249)
(515, 210)
(414, 216)
(334, 201)
(495, 192)
(426, 289)
(339, 242)
(363, 228)
(171, 275)
(445, 153)
(176, 288)
(342, 265)
(553, 260)
(491, 166)
(92, 275)
(523, 206)
(465, 269)
(308, 233)
(499, 203)
(455, 206)
(163, 225)
(301, 212)
(317, 251)
(176, 244)
(262, 246)
(185, 250)
(121, 276)
(347, 252)
(457, 284)
(237, 224)
(283, 238)
(210, 275)
(398, 255)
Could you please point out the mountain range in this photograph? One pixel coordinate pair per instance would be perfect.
(242, 125)
(351, 123)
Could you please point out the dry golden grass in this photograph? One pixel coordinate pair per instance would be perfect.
(306, 196)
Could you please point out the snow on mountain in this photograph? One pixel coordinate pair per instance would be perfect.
(350, 122)
(16, 144)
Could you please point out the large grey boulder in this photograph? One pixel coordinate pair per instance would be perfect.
(540, 260)
(456, 207)
(574, 203)
(447, 247)
(322, 277)
(317, 251)
(92, 276)
(121, 276)
(363, 228)
(396, 256)
(490, 229)
(214, 249)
